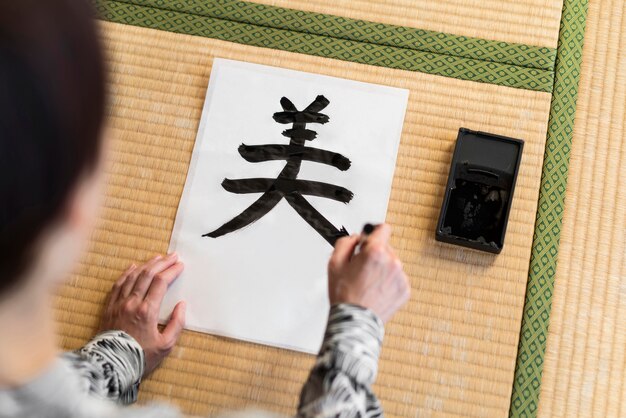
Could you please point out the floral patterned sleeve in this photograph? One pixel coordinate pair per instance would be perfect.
(340, 384)
(111, 365)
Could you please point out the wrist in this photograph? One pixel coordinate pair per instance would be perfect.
(120, 353)
(353, 341)
(346, 317)
(359, 312)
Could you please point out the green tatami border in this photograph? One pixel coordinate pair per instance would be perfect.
(543, 261)
(399, 47)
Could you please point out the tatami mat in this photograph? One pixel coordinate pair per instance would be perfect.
(585, 365)
(451, 351)
(530, 22)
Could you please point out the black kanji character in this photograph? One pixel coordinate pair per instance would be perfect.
(286, 185)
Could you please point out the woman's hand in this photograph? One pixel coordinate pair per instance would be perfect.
(373, 278)
(134, 305)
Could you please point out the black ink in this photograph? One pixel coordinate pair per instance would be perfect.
(475, 210)
(253, 213)
(300, 117)
(306, 134)
(286, 185)
(260, 153)
(315, 219)
(309, 115)
(479, 191)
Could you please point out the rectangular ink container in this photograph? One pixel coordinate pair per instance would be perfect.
(479, 191)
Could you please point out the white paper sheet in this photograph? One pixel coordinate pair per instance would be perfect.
(267, 282)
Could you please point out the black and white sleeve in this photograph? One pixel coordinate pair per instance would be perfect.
(111, 366)
(340, 384)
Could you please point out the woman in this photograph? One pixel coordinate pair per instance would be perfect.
(52, 99)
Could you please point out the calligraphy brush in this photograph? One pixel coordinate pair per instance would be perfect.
(367, 230)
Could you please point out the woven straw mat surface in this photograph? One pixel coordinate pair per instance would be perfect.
(451, 351)
(585, 364)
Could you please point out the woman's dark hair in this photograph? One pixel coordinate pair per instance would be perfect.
(52, 98)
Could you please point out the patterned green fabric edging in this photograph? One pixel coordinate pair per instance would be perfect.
(506, 64)
(534, 332)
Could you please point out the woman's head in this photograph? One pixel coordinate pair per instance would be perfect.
(52, 97)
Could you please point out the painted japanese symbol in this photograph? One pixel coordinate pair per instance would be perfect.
(287, 185)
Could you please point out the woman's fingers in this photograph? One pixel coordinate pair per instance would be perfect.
(373, 279)
(117, 286)
(379, 236)
(152, 270)
(135, 303)
(174, 327)
(344, 249)
(129, 283)
(159, 285)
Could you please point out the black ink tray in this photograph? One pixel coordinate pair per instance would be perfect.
(479, 191)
